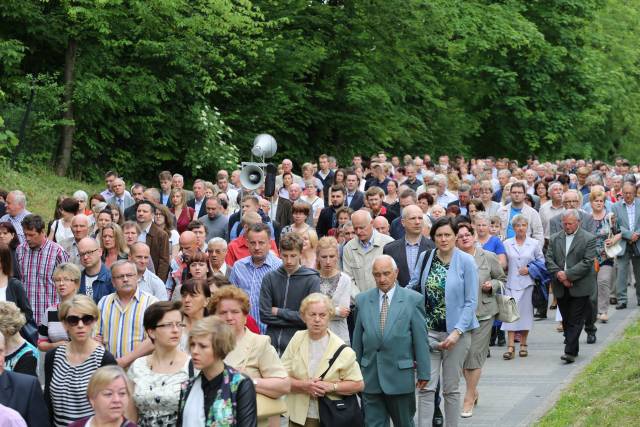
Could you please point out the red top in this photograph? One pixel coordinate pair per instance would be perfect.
(252, 325)
(185, 218)
(239, 249)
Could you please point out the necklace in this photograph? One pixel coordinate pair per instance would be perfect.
(170, 363)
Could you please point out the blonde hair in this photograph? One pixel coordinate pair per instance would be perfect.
(11, 319)
(596, 194)
(182, 193)
(327, 242)
(314, 298)
(223, 340)
(81, 303)
(70, 269)
(104, 376)
(118, 236)
(313, 237)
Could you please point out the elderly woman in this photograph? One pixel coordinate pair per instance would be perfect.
(448, 278)
(109, 393)
(521, 250)
(604, 225)
(113, 245)
(157, 378)
(20, 355)
(334, 284)
(253, 354)
(482, 223)
(486, 195)
(68, 367)
(219, 395)
(182, 212)
(52, 332)
(306, 358)
(491, 278)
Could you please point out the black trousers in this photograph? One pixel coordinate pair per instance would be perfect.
(573, 311)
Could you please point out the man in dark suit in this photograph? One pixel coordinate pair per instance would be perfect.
(571, 200)
(407, 197)
(354, 198)
(391, 345)
(284, 211)
(627, 212)
(155, 237)
(199, 201)
(325, 175)
(137, 192)
(327, 219)
(22, 393)
(464, 196)
(569, 260)
(406, 250)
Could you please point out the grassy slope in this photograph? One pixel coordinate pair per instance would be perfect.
(607, 392)
(42, 187)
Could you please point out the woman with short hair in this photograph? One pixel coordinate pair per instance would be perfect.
(306, 358)
(300, 212)
(20, 355)
(219, 394)
(158, 377)
(109, 393)
(68, 367)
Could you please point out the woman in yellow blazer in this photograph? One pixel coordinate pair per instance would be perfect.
(307, 357)
(253, 354)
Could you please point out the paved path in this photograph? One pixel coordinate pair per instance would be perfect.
(520, 391)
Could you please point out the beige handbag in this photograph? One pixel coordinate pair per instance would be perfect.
(268, 407)
(507, 307)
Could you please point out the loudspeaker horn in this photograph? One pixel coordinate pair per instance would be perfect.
(251, 175)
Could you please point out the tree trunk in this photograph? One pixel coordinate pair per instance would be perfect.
(69, 127)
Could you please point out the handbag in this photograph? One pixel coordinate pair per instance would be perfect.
(616, 249)
(343, 412)
(269, 407)
(30, 332)
(539, 297)
(507, 307)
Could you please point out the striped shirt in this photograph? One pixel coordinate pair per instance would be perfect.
(68, 386)
(36, 268)
(16, 221)
(121, 327)
(248, 277)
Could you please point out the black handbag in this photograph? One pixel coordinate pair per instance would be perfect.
(540, 297)
(30, 332)
(343, 412)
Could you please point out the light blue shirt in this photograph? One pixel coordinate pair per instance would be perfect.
(389, 294)
(631, 214)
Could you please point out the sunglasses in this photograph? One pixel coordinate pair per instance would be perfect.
(87, 319)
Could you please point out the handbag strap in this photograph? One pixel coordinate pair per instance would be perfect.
(425, 260)
(333, 359)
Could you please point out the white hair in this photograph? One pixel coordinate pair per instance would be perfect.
(81, 195)
(19, 197)
(388, 258)
(217, 240)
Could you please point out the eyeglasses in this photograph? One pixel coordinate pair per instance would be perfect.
(171, 325)
(464, 236)
(122, 276)
(83, 254)
(62, 280)
(87, 319)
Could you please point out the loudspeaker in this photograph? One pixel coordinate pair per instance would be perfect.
(264, 146)
(251, 175)
(270, 180)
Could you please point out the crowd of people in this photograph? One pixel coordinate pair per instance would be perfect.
(385, 280)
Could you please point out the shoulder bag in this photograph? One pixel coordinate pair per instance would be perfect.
(507, 307)
(343, 412)
(613, 250)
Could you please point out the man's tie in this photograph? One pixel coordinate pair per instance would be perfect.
(121, 203)
(383, 311)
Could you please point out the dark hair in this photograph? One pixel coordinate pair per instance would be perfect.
(96, 196)
(147, 202)
(301, 207)
(542, 182)
(106, 211)
(11, 229)
(465, 224)
(258, 228)
(427, 196)
(196, 287)
(529, 198)
(156, 311)
(442, 222)
(110, 173)
(56, 210)
(33, 222)
(5, 261)
(564, 179)
(196, 224)
(344, 174)
(165, 176)
(199, 257)
(70, 205)
(409, 193)
(219, 280)
(453, 209)
(478, 204)
(519, 185)
(120, 221)
(340, 188)
(291, 242)
(223, 202)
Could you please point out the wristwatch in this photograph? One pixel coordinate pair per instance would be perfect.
(459, 331)
(255, 382)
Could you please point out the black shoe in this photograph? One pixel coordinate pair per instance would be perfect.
(568, 358)
(591, 338)
(502, 341)
(493, 337)
(621, 306)
(438, 418)
(539, 315)
(613, 300)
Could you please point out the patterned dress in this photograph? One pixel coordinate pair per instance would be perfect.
(434, 296)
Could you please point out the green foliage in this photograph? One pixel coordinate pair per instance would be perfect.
(477, 77)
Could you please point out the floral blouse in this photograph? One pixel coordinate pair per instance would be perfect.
(602, 233)
(434, 296)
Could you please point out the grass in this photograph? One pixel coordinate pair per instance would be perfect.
(42, 187)
(607, 392)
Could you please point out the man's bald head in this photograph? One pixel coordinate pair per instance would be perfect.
(188, 243)
(381, 224)
(80, 227)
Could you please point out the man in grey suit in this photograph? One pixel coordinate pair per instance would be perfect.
(627, 212)
(390, 341)
(569, 260)
(405, 251)
(121, 199)
(571, 200)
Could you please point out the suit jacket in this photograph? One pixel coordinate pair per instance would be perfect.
(622, 222)
(489, 269)
(325, 220)
(586, 223)
(128, 201)
(387, 359)
(23, 394)
(579, 263)
(397, 251)
(203, 206)
(130, 212)
(284, 215)
(357, 201)
(158, 242)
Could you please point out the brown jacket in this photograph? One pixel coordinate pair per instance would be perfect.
(158, 242)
